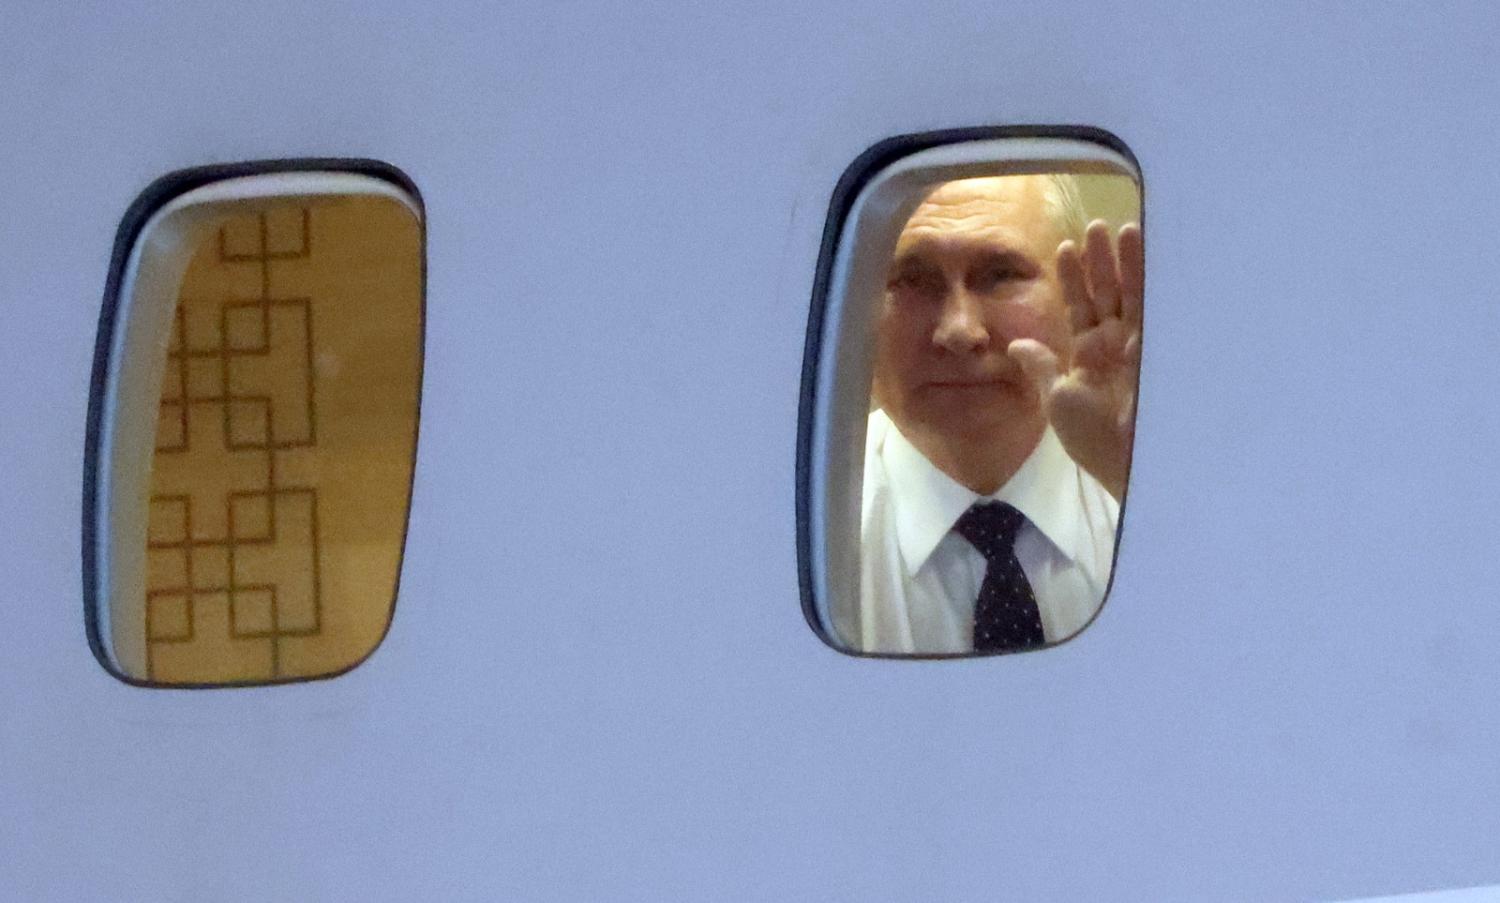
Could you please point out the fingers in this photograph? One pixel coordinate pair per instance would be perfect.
(1099, 269)
(1101, 282)
(1038, 362)
(1074, 287)
(1132, 273)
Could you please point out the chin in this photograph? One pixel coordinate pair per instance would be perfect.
(979, 422)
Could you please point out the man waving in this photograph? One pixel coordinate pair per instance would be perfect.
(1007, 354)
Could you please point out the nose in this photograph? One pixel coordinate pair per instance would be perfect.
(960, 327)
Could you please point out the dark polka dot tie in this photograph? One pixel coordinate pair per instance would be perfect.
(1005, 614)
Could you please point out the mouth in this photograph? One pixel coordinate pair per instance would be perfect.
(971, 384)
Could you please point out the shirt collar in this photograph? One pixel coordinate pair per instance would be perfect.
(928, 502)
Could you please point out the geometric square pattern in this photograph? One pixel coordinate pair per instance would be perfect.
(285, 435)
(233, 563)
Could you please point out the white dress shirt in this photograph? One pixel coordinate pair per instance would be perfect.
(920, 579)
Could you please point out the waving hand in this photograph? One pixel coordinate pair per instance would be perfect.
(1090, 399)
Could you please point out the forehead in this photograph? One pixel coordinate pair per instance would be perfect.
(1000, 210)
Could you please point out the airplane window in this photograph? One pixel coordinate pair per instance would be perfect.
(255, 424)
(970, 393)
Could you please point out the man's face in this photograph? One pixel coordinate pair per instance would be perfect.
(973, 270)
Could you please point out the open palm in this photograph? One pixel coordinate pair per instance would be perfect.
(1090, 398)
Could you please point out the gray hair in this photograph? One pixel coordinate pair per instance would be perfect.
(1065, 206)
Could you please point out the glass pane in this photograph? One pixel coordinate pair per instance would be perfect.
(284, 447)
(1004, 348)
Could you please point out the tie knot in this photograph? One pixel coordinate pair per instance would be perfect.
(990, 527)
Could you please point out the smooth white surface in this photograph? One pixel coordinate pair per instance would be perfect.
(1462, 895)
(920, 579)
(599, 684)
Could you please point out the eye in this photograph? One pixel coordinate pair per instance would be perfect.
(919, 283)
(999, 272)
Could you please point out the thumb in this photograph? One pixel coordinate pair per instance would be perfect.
(1038, 362)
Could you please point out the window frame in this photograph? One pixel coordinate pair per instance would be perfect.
(115, 315)
(871, 201)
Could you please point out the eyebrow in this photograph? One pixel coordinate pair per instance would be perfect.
(908, 259)
(912, 256)
(1010, 257)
